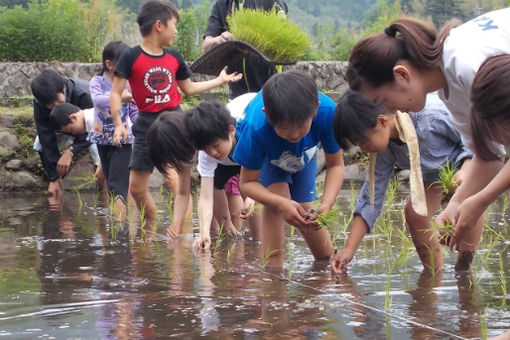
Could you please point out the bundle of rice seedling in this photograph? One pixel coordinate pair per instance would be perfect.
(271, 33)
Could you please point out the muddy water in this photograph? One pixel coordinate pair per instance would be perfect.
(71, 273)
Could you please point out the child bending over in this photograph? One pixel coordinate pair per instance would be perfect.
(210, 128)
(277, 148)
(369, 125)
(155, 74)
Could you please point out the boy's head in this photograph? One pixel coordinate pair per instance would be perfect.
(153, 11)
(291, 100)
(168, 142)
(48, 87)
(211, 128)
(362, 122)
(68, 118)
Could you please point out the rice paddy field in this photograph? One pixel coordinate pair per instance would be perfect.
(74, 273)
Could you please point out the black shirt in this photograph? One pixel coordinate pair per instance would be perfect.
(255, 71)
(77, 93)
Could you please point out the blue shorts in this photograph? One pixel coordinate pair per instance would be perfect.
(301, 183)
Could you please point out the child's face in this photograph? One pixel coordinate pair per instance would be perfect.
(221, 148)
(377, 138)
(293, 133)
(61, 98)
(169, 32)
(76, 127)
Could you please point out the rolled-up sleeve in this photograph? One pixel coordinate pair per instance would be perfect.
(383, 171)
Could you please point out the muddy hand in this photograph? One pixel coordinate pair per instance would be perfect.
(311, 218)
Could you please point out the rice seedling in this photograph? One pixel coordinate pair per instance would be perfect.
(170, 206)
(406, 247)
(502, 278)
(273, 35)
(483, 325)
(267, 255)
(506, 202)
(328, 218)
(95, 199)
(445, 231)
(219, 239)
(493, 237)
(142, 218)
(447, 178)
(387, 296)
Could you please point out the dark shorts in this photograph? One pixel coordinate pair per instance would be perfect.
(115, 164)
(301, 183)
(140, 159)
(223, 173)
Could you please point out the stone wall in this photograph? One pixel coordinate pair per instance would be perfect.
(16, 76)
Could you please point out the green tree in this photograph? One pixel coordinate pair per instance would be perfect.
(441, 11)
(12, 3)
(56, 30)
(132, 5)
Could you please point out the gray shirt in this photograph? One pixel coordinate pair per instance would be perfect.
(438, 141)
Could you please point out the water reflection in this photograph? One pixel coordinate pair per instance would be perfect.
(72, 270)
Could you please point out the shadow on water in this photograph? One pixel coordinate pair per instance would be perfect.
(74, 273)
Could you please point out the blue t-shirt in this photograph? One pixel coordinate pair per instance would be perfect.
(257, 139)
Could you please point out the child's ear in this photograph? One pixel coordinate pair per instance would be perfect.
(232, 129)
(383, 119)
(109, 64)
(73, 117)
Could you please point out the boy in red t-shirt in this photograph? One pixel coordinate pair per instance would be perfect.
(154, 73)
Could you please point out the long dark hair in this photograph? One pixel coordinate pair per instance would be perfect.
(354, 116)
(112, 52)
(490, 103)
(373, 58)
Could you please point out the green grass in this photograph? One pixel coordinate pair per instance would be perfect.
(271, 33)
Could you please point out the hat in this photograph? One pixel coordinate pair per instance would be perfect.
(227, 54)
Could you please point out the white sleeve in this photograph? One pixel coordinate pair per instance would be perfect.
(206, 165)
(237, 105)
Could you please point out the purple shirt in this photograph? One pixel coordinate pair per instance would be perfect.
(103, 129)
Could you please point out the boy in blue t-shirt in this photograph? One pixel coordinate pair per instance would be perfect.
(277, 147)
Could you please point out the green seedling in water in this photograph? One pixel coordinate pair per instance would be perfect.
(327, 218)
(483, 325)
(445, 231)
(221, 236)
(502, 277)
(267, 256)
(387, 297)
(447, 178)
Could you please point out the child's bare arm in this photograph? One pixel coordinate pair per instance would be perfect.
(333, 181)
(359, 229)
(115, 107)
(181, 199)
(190, 87)
(205, 213)
(292, 211)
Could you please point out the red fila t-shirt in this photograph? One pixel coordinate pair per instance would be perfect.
(153, 79)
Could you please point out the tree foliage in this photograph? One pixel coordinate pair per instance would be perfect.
(56, 30)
